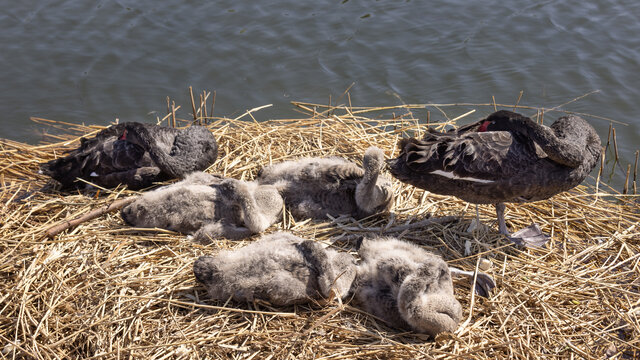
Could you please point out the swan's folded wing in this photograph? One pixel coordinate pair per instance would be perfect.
(484, 156)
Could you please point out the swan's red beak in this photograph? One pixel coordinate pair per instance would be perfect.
(483, 127)
(123, 136)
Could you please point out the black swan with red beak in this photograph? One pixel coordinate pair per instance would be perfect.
(136, 155)
(506, 157)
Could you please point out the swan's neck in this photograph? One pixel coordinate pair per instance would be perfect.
(568, 151)
(170, 165)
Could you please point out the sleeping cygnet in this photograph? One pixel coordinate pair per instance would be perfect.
(280, 268)
(208, 206)
(406, 286)
(317, 187)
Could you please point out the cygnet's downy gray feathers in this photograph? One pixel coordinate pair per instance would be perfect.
(208, 206)
(280, 268)
(317, 187)
(406, 286)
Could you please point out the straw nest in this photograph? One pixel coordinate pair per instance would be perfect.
(106, 290)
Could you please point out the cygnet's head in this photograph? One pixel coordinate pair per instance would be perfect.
(426, 299)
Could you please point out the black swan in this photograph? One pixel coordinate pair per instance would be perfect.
(135, 154)
(506, 157)
(280, 268)
(315, 187)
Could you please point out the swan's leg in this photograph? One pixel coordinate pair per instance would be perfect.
(477, 214)
(502, 226)
(484, 282)
(531, 236)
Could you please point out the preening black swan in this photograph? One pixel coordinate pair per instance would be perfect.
(506, 157)
(135, 154)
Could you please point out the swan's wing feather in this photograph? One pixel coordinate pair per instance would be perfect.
(485, 155)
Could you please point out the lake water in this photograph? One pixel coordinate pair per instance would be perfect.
(93, 61)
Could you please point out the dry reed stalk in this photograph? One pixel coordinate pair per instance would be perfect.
(635, 166)
(193, 105)
(66, 224)
(104, 290)
(602, 156)
(169, 108)
(518, 101)
(615, 144)
(213, 105)
(626, 180)
(204, 104)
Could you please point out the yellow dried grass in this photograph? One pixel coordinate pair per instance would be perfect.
(105, 290)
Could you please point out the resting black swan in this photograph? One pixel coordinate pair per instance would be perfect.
(506, 157)
(135, 154)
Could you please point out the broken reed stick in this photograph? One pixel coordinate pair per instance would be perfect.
(602, 154)
(615, 144)
(493, 99)
(204, 104)
(626, 181)
(518, 101)
(168, 111)
(193, 105)
(66, 224)
(609, 135)
(173, 113)
(202, 115)
(635, 166)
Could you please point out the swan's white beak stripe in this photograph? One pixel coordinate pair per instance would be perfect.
(451, 175)
(93, 174)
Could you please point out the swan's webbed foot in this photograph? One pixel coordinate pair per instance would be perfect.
(484, 282)
(531, 236)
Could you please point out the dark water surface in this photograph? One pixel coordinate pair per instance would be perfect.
(93, 61)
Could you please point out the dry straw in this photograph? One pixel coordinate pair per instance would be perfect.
(103, 290)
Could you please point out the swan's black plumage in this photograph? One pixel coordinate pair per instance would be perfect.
(134, 154)
(506, 157)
